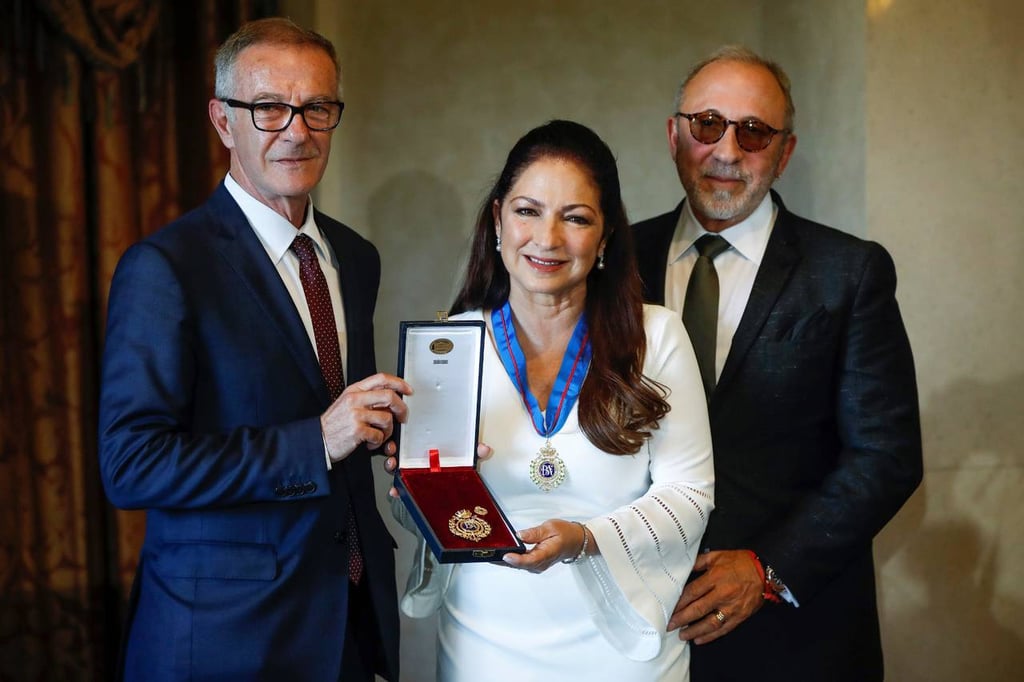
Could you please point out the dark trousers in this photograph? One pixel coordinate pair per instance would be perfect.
(362, 649)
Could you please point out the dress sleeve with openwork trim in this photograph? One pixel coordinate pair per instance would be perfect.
(648, 547)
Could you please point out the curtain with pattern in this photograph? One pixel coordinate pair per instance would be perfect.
(104, 138)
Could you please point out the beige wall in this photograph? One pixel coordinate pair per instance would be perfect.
(909, 134)
(945, 174)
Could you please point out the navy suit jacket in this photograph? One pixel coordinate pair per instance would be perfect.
(817, 444)
(209, 419)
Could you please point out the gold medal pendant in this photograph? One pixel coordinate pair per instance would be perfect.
(547, 470)
(468, 525)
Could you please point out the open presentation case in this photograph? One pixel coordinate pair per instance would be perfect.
(437, 477)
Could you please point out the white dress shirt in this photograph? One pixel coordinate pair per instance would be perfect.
(736, 266)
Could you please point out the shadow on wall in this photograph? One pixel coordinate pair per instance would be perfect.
(420, 228)
(797, 186)
(418, 224)
(950, 620)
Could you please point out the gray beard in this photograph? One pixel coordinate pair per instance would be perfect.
(722, 205)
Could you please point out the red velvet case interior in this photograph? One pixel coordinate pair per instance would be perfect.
(439, 494)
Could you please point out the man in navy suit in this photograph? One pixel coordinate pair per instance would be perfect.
(811, 391)
(264, 556)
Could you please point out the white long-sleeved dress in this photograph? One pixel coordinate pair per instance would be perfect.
(603, 618)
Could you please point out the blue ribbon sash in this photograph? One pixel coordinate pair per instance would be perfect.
(571, 374)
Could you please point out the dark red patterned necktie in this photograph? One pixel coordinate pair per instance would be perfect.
(318, 298)
(325, 331)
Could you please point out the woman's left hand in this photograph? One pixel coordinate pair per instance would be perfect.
(553, 541)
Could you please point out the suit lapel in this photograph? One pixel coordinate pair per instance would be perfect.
(242, 250)
(780, 257)
(652, 254)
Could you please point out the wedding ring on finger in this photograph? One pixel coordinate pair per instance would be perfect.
(720, 617)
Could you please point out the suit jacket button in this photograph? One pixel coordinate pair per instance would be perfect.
(339, 537)
(310, 487)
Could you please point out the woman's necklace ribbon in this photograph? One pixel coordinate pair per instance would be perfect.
(547, 470)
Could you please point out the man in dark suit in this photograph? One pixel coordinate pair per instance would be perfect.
(222, 412)
(811, 391)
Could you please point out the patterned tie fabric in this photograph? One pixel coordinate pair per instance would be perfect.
(325, 331)
(318, 298)
(700, 309)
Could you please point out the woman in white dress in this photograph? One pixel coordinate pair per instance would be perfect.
(593, 405)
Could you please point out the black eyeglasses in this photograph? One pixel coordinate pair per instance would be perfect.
(708, 127)
(273, 117)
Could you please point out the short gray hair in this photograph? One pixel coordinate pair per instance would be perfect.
(740, 53)
(272, 31)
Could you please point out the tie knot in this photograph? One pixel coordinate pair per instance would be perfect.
(710, 245)
(303, 247)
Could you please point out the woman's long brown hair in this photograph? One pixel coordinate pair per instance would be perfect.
(618, 405)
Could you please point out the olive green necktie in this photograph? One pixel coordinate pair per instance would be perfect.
(700, 309)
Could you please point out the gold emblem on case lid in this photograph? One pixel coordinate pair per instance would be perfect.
(441, 346)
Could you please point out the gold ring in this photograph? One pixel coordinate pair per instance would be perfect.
(720, 617)
(468, 526)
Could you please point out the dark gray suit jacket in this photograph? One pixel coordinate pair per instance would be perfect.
(817, 445)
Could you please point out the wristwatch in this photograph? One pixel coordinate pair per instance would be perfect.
(773, 582)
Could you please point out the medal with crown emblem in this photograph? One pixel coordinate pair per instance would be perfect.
(469, 525)
(547, 470)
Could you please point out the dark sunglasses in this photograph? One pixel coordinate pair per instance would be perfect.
(708, 127)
